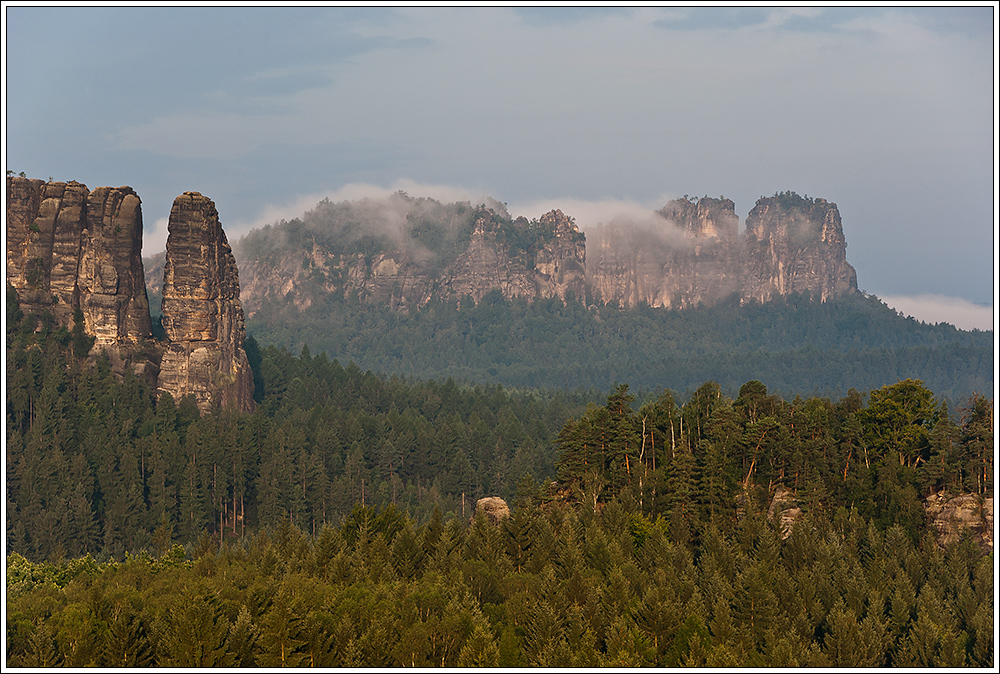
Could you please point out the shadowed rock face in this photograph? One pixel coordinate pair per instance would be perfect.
(561, 263)
(202, 314)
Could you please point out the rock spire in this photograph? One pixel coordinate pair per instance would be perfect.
(202, 314)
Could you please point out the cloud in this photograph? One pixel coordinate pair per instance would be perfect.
(961, 313)
(155, 241)
(592, 213)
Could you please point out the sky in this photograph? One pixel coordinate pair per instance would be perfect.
(889, 112)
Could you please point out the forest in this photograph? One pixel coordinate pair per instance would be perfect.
(796, 345)
(333, 525)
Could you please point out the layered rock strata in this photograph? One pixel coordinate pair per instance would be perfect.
(794, 244)
(69, 248)
(955, 515)
(202, 314)
(111, 280)
(684, 255)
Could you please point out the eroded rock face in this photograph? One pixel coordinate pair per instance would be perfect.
(487, 265)
(685, 255)
(70, 248)
(45, 226)
(689, 253)
(561, 263)
(785, 505)
(795, 245)
(493, 507)
(955, 514)
(202, 314)
(112, 283)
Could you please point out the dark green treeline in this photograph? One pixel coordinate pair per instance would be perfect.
(97, 465)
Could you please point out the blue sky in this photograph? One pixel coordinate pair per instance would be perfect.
(888, 112)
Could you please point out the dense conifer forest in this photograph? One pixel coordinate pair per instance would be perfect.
(331, 526)
(795, 345)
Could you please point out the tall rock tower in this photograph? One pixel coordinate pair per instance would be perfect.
(71, 249)
(681, 256)
(202, 314)
(795, 244)
(111, 280)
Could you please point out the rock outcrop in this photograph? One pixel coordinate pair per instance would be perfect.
(518, 258)
(45, 226)
(685, 255)
(785, 506)
(954, 515)
(493, 508)
(202, 314)
(487, 264)
(406, 252)
(795, 244)
(111, 281)
(71, 249)
(561, 262)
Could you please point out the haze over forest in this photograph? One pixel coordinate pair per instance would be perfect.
(595, 111)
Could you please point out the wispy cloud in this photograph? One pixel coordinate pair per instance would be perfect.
(961, 313)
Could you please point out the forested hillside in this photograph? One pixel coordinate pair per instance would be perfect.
(331, 525)
(797, 346)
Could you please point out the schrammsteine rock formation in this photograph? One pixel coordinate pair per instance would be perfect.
(688, 253)
(795, 244)
(69, 249)
(202, 314)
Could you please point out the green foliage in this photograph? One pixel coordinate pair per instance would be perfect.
(326, 528)
(833, 599)
(797, 346)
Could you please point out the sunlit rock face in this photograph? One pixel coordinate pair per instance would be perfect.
(45, 226)
(202, 314)
(69, 248)
(794, 244)
(955, 515)
(689, 253)
(493, 508)
(111, 281)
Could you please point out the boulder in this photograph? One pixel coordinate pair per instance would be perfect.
(493, 507)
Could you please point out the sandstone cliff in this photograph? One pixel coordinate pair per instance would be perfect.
(955, 515)
(202, 314)
(795, 244)
(684, 255)
(424, 251)
(70, 249)
(404, 252)
(111, 281)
